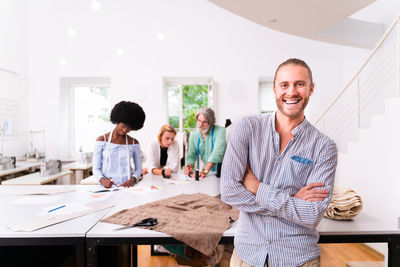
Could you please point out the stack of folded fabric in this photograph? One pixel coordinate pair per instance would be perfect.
(345, 204)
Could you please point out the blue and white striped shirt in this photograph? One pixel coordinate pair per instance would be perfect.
(273, 222)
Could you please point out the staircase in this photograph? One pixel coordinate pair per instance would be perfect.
(364, 121)
(371, 165)
(376, 80)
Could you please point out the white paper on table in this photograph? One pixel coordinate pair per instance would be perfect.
(100, 196)
(173, 181)
(102, 189)
(36, 200)
(48, 220)
(69, 208)
(178, 178)
(35, 190)
(140, 190)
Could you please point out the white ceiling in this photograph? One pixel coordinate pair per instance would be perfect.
(358, 23)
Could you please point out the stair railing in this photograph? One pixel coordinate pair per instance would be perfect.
(377, 79)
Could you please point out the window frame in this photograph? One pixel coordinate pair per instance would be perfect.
(180, 82)
(261, 84)
(72, 86)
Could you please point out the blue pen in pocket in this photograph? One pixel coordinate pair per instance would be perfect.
(301, 160)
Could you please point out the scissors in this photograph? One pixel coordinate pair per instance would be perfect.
(145, 222)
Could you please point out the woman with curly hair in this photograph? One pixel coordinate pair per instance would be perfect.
(114, 150)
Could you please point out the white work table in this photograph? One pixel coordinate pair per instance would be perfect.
(36, 178)
(77, 166)
(68, 233)
(20, 167)
(79, 170)
(362, 224)
(364, 228)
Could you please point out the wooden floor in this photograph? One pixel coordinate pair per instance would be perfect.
(332, 255)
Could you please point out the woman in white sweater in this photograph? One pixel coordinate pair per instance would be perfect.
(163, 156)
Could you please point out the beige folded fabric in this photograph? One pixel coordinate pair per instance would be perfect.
(198, 220)
(345, 204)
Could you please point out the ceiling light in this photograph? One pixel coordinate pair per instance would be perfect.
(71, 31)
(96, 5)
(62, 61)
(120, 51)
(161, 35)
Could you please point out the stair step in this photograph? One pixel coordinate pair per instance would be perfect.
(392, 105)
(377, 120)
(363, 134)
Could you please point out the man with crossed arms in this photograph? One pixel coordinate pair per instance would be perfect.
(279, 170)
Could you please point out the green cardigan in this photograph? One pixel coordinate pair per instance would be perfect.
(207, 154)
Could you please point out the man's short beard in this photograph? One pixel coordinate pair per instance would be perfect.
(203, 131)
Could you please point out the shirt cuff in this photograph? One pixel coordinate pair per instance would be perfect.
(263, 194)
(137, 174)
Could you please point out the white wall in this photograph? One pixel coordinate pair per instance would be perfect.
(13, 58)
(201, 40)
(380, 11)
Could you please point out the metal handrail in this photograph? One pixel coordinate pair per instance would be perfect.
(11, 72)
(390, 29)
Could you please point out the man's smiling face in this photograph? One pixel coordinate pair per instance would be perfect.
(292, 90)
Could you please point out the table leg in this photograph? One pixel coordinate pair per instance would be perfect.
(394, 252)
(91, 253)
(79, 175)
(72, 177)
(80, 252)
(134, 255)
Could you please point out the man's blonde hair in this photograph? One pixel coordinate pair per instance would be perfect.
(295, 61)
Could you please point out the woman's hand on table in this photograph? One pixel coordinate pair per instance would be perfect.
(129, 183)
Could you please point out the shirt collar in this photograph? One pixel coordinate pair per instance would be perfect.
(297, 130)
(273, 115)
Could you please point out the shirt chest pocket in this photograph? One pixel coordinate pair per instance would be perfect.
(299, 168)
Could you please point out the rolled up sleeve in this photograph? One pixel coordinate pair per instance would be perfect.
(233, 169)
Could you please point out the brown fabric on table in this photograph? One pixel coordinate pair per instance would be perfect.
(198, 220)
(345, 204)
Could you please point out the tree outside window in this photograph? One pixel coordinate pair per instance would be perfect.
(184, 101)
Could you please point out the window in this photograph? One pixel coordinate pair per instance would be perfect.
(266, 96)
(184, 98)
(91, 111)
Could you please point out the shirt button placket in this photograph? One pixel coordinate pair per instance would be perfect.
(268, 230)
